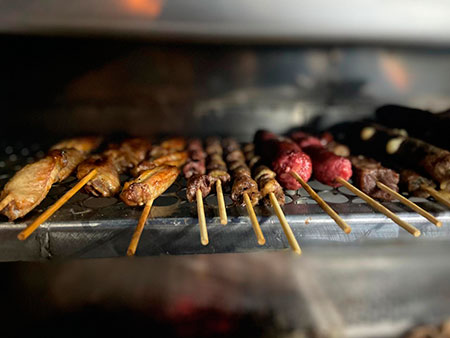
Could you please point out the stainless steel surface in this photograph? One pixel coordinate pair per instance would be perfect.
(399, 22)
(102, 227)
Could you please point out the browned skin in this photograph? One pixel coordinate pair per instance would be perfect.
(30, 185)
(413, 182)
(366, 173)
(106, 182)
(267, 184)
(111, 163)
(149, 185)
(177, 159)
(168, 146)
(83, 144)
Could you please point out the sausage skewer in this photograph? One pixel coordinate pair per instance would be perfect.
(217, 170)
(244, 191)
(151, 183)
(326, 166)
(99, 174)
(271, 192)
(379, 182)
(198, 184)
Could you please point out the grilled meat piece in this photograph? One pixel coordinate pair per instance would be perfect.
(413, 182)
(327, 166)
(106, 182)
(196, 160)
(283, 155)
(31, 184)
(267, 183)
(117, 159)
(83, 144)
(177, 159)
(196, 182)
(128, 153)
(214, 146)
(168, 146)
(367, 172)
(409, 152)
(242, 180)
(149, 185)
(245, 184)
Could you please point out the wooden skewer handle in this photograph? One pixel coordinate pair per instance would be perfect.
(139, 228)
(436, 195)
(254, 220)
(285, 225)
(377, 206)
(221, 203)
(201, 218)
(410, 204)
(58, 204)
(333, 214)
(6, 201)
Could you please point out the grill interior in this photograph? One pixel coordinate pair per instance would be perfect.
(88, 226)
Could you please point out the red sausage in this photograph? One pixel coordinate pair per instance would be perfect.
(327, 166)
(284, 155)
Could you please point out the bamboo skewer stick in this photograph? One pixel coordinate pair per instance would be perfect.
(436, 195)
(376, 205)
(58, 204)
(201, 218)
(221, 203)
(410, 204)
(285, 225)
(6, 201)
(254, 220)
(139, 228)
(333, 214)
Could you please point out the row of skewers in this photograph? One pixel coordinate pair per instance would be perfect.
(256, 172)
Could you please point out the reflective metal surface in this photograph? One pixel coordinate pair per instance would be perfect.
(102, 227)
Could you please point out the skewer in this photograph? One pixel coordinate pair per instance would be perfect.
(139, 228)
(53, 208)
(342, 224)
(201, 218)
(410, 204)
(376, 205)
(254, 220)
(221, 203)
(284, 224)
(6, 201)
(436, 195)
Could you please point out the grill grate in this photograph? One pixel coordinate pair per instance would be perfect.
(97, 227)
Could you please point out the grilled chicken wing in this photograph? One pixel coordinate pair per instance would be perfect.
(30, 185)
(149, 185)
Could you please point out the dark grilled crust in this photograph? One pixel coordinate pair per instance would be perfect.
(198, 182)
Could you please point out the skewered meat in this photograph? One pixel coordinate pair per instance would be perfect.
(149, 185)
(198, 182)
(366, 174)
(410, 152)
(422, 124)
(284, 156)
(129, 153)
(196, 159)
(327, 166)
(413, 183)
(30, 185)
(110, 164)
(177, 159)
(194, 171)
(216, 166)
(242, 179)
(106, 182)
(171, 145)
